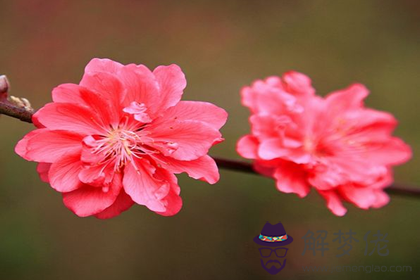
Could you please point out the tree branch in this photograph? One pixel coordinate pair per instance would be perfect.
(18, 108)
(21, 113)
(24, 113)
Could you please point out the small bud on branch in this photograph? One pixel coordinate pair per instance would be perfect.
(4, 87)
(15, 107)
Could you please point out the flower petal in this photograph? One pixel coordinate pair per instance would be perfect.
(121, 204)
(43, 168)
(205, 112)
(291, 178)
(268, 126)
(350, 98)
(382, 199)
(171, 82)
(68, 93)
(263, 97)
(64, 173)
(97, 174)
(44, 145)
(139, 111)
(103, 97)
(271, 149)
(298, 83)
(103, 65)
(327, 176)
(203, 168)
(88, 200)
(143, 188)
(363, 197)
(333, 202)
(71, 117)
(192, 139)
(172, 200)
(392, 152)
(247, 147)
(141, 86)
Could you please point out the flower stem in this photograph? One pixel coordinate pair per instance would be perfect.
(25, 114)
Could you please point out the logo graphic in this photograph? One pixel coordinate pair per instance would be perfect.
(272, 247)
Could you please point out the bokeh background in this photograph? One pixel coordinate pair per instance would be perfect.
(221, 46)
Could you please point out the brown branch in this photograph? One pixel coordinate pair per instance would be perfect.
(18, 108)
(11, 110)
(25, 114)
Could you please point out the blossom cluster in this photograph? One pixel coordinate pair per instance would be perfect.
(119, 137)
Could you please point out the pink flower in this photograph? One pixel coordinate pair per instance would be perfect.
(335, 144)
(119, 137)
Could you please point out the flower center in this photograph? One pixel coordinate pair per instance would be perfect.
(316, 148)
(117, 148)
(123, 145)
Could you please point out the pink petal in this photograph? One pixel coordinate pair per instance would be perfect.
(97, 174)
(68, 93)
(207, 113)
(352, 97)
(71, 117)
(383, 180)
(191, 139)
(64, 173)
(264, 97)
(392, 152)
(203, 168)
(333, 202)
(291, 178)
(382, 199)
(103, 97)
(141, 86)
(172, 200)
(327, 176)
(22, 145)
(139, 111)
(103, 65)
(363, 197)
(43, 169)
(45, 145)
(143, 188)
(171, 82)
(371, 124)
(266, 167)
(298, 83)
(104, 102)
(299, 156)
(173, 204)
(247, 147)
(88, 200)
(121, 204)
(268, 126)
(271, 149)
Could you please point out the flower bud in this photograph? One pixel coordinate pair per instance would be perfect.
(4, 87)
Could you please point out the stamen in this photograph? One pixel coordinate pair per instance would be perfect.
(120, 146)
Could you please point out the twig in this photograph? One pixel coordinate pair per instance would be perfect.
(15, 107)
(13, 111)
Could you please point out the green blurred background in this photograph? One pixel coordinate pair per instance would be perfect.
(221, 46)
